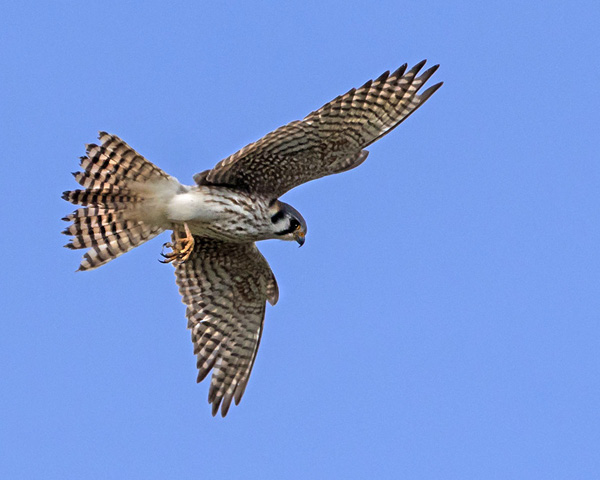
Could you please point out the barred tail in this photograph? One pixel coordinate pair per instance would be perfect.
(120, 202)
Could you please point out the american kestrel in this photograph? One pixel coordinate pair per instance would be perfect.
(223, 278)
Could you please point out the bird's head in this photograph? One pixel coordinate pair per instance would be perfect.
(287, 222)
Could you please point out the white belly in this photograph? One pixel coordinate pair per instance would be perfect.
(220, 213)
(192, 206)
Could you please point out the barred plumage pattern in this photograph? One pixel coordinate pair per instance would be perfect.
(226, 282)
(225, 287)
(109, 223)
(329, 140)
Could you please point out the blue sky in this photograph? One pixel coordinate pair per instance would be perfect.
(443, 318)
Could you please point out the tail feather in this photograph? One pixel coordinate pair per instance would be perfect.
(114, 161)
(120, 193)
(108, 246)
(108, 196)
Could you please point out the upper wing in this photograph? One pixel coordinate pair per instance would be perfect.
(225, 287)
(329, 140)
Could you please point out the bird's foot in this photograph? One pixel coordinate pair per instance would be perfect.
(181, 249)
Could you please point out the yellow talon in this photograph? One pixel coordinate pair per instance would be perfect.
(182, 248)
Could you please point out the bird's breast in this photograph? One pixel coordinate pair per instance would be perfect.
(219, 213)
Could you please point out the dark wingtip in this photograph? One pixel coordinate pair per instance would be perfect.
(65, 195)
(419, 65)
(201, 374)
(426, 75)
(367, 84)
(417, 68)
(383, 76)
(430, 91)
(399, 71)
(430, 71)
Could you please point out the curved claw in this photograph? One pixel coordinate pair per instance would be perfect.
(181, 249)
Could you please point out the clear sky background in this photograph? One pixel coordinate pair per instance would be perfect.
(443, 318)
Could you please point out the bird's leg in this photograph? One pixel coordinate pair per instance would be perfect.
(182, 248)
(187, 244)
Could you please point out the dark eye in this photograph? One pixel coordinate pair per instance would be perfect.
(294, 224)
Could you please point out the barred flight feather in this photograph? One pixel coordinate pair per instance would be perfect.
(225, 287)
(329, 140)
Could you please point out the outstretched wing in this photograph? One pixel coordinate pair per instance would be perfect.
(225, 287)
(329, 140)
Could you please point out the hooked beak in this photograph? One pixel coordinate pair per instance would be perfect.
(300, 237)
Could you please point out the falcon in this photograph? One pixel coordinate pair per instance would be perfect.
(224, 280)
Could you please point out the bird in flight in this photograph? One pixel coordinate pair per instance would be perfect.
(224, 280)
